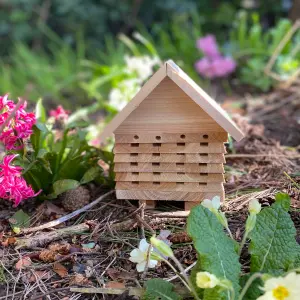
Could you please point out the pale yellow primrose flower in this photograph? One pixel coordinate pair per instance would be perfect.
(254, 207)
(213, 204)
(205, 280)
(282, 288)
(139, 256)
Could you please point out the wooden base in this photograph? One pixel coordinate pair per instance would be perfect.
(189, 205)
(149, 204)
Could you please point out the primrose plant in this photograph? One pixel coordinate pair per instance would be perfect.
(218, 273)
(45, 156)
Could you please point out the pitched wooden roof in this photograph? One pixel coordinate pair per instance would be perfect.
(199, 96)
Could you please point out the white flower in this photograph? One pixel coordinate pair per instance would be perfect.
(213, 204)
(140, 256)
(205, 280)
(282, 288)
(254, 207)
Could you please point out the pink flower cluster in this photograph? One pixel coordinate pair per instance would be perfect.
(17, 128)
(60, 114)
(213, 64)
(13, 186)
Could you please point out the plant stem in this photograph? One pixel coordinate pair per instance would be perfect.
(229, 232)
(248, 284)
(243, 242)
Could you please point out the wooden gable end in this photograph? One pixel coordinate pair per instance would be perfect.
(168, 109)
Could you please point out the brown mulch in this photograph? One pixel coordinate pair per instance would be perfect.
(99, 258)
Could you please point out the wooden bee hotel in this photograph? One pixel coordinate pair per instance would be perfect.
(169, 142)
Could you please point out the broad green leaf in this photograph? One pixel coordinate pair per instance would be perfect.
(42, 127)
(273, 246)
(40, 111)
(90, 174)
(159, 289)
(61, 186)
(19, 220)
(283, 200)
(216, 251)
(254, 290)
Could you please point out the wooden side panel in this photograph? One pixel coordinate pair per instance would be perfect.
(170, 158)
(175, 196)
(169, 167)
(164, 137)
(170, 186)
(170, 177)
(168, 109)
(203, 147)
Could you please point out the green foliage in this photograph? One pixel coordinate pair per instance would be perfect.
(254, 290)
(273, 246)
(159, 289)
(216, 251)
(19, 220)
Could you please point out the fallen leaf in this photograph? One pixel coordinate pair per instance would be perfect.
(117, 274)
(47, 255)
(9, 241)
(51, 208)
(59, 269)
(38, 275)
(23, 263)
(60, 248)
(79, 279)
(115, 285)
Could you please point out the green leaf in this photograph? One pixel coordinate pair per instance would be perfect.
(283, 200)
(40, 111)
(216, 251)
(90, 175)
(254, 290)
(42, 127)
(159, 289)
(19, 220)
(61, 186)
(273, 245)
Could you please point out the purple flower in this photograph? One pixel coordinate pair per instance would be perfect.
(208, 46)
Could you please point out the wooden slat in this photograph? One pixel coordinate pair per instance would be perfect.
(170, 186)
(169, 167)
(170, 158)
(161, 137)
(170, 177)
(157, 195)
(170, 148)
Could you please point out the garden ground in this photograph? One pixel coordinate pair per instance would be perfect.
(91, 250)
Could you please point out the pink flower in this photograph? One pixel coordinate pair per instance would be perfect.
(13, 186)
(60, 114)
(208, 46)
(17, 128)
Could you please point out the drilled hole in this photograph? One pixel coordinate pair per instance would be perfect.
(156, 144)
(179, 183)
(135, 173)
(158, 137)
(134, 154)
(134, 144)
(180, 153)
(155, 164)
(135, 182)
(204, 174)
(156, 173)
(155, 154)
(203, 164)
(136, 137)
(134, 164)
(203, 154)
(205, 136)
(179, 164)
(204, 144)
(182, 136)
(181, 144)
(180, 173)
(202, 183)
(156, 182)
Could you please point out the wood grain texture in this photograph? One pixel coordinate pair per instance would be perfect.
(168, 109)
(170, 186)
(149, 204)
(172, 196)
(188, 205)
(181, 137)
(170, 158)
(169, 167)
(170, 177)
(171, 148)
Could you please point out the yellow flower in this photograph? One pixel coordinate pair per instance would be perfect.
(205, 280)
(254, 207)
(282, 288)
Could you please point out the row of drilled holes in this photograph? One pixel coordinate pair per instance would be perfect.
(158, 137)
(178, 183)
(157, 164)
(136, 145)
(158, 154)
(159, 173)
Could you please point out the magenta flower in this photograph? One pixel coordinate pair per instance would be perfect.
(208, 46)
(60, 114)
(13, 186)
(18, 128)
